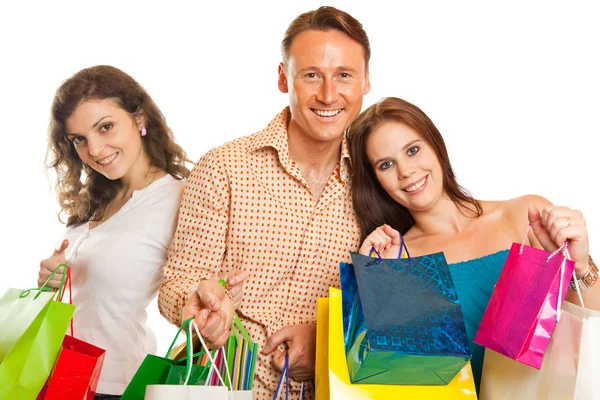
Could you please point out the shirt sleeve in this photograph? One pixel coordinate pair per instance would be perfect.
(198, 247)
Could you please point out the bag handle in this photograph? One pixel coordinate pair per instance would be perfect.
(284, 373)
(210, 357)
(576, 282)
(237, 324)
(188, 345)
(565, 252)
(62, 292)
(402, 246)
(45, 287)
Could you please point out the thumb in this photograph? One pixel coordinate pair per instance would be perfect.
(278, 360)
(275, 340)
(61, 248)
(535, 220)
(393, 234)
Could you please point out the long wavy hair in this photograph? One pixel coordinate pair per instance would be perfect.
(372, 204)
(84, 194)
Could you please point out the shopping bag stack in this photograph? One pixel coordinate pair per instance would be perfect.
(560, 357)
(526, 302)
(76, 372)
(34, 325)
(394, 330)
(224, 373)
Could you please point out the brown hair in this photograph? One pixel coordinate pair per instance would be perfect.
(82, 192)
(373, 206)
(324, 19)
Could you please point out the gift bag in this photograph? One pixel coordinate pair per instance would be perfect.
(187, 391)
(156, 370)
(405, 324)
(321, 366)
(77, 369)
(522, 310)
(33, 328)
(569, 368)
(76, 373)
(339, 386)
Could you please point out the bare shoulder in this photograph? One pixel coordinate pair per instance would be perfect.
(520, 205)
(516, 209)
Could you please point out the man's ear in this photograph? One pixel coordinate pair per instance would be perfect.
(282, 82)
(367, 87)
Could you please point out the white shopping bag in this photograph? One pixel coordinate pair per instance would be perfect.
(172, 392)
(570, 367)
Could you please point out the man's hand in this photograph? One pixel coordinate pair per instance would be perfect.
(212, 310)
(301, 341)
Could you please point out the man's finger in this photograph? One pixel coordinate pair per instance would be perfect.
(208, 296)
(275, 340)
(237, 279)
(278, 360)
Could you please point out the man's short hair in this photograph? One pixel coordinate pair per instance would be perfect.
(323, 19)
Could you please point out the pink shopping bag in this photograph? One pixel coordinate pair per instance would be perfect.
(522, 311)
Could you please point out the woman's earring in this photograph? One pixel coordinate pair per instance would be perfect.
(143, 131)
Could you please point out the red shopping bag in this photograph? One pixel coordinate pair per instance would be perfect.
(76, 372)
(77, 369)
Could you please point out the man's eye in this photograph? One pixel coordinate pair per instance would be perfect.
(311, 75)
(413, 150)
(345, 75)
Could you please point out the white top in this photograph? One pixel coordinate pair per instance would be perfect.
(116, 272)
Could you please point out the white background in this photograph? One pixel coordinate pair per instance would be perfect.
(514, 87)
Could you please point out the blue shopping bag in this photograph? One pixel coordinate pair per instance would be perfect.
(402, 321)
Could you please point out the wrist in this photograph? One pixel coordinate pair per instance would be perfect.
(588, 279)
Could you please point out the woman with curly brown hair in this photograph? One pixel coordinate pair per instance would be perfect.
(119, 179)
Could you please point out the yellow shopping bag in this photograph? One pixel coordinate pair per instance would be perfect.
(332, 377)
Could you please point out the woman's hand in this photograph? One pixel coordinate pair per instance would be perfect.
(385, 239)
(48, 266)
(554, 225)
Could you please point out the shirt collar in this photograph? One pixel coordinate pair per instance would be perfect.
(275, 135)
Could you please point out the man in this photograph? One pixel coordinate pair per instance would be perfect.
(275, 207)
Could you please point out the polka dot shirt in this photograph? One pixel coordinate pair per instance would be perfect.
(247, 207)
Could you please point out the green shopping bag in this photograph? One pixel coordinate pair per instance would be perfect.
(33, 328)
(156, 370)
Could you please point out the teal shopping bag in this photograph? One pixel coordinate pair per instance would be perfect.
(402, 321)
(33, 328)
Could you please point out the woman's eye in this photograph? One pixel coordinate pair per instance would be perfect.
(106, 127)
(385, 165)
(413, 150)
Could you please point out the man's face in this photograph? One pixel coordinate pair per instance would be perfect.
(326, 78)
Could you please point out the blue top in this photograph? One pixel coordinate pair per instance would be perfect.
(475, 281)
